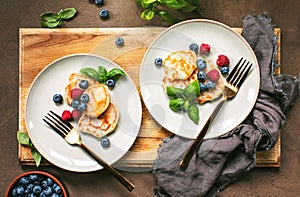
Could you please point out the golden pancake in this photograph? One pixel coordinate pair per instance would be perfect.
(101, 126)
(99, 100)
(74, 80)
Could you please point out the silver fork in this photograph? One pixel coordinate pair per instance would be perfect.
(72, 136)
(232, 85)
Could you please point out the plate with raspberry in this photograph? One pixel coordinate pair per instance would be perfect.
(107, 111)
(182, 77)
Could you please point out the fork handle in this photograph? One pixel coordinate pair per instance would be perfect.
(199, 139)
(109, 168)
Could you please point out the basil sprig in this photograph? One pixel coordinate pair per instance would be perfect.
(159, 8)
(24, 139)
(102, 75)
(185, 100)
(51, 20)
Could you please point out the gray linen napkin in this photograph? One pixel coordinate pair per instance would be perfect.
(223, 159)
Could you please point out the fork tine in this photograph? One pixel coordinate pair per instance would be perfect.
(65, 122)
(239, 74)
(244, 76)
(234, 70)
(59, 124)
(58, 131)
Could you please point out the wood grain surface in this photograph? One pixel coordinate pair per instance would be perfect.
(39, 47)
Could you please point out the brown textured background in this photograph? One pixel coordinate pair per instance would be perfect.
(258, 182)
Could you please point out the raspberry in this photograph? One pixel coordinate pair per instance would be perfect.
(223, 60)
(76, 92)
(76, 114)
(213, 75)
(66, 115)
(204, 49)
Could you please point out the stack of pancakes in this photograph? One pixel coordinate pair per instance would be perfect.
(101, 115)
(181, 70)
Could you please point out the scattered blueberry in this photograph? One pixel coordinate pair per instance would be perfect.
(210, 85)
(57, 98)
(82, 107)
(83, 84)
(203, 87)
(105, 143)
(201, 64)
(158, 61)
(224, 70)
(111, 83)
(201, 75)
(119, 41)
(104, 14)
(99, 2)
(84, 98)
(75, 104)
(194, 47)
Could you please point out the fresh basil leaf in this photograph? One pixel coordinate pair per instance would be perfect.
(166, 16)
(23, 138)
(149, 1)
(36, 156)
(102, 74)
(180, 5)
(115, 74)
(176, 104)
(49, 17)
(192, 91)
(90, 72)
(186, 105)
(174, 92)
(51, 24)
(67, 13)
(193, 113)
(147, 14)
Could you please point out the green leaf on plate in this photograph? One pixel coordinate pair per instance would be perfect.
(192, 91)
(193, 113)
(174, 92)
(177, 104)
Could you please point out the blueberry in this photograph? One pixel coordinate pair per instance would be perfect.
(75, 104)
(33, 177)
(119, 41)
(84, 98)
(37, 189)
(57, 98)
(111, 83)
(54, 195)
(158, 61)
(48, 190)
(44, 183)
(24, 181)
(201, 64)
(104, 14)
(210, 85)
(42, 194)
(31, 195)
(84, 84)
(194, 47)
(105, 143)
(57, 189)
(99, 2)
(29, 187)
(82, 107)
(201, 75)
(224, 70)
(203, 87)
(50, 182)
(20, 190)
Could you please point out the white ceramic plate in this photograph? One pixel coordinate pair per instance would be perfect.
(223, 40)
(53, 79)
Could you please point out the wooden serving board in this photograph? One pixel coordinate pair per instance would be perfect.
(39, 47)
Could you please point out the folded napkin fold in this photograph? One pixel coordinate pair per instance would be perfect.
(221, 160)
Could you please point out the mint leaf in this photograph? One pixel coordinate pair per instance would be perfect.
(193, 113)
(177, 104)
(102, 74)
(192, 91)
(36, 156)
(67, 13)
(90, 72)
(51, 24)
(147, 14)
(115, 74)
(174, 92)
(49, 17)
(23, 138)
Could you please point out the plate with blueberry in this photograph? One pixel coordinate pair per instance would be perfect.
(97, 97)
(183, 73)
